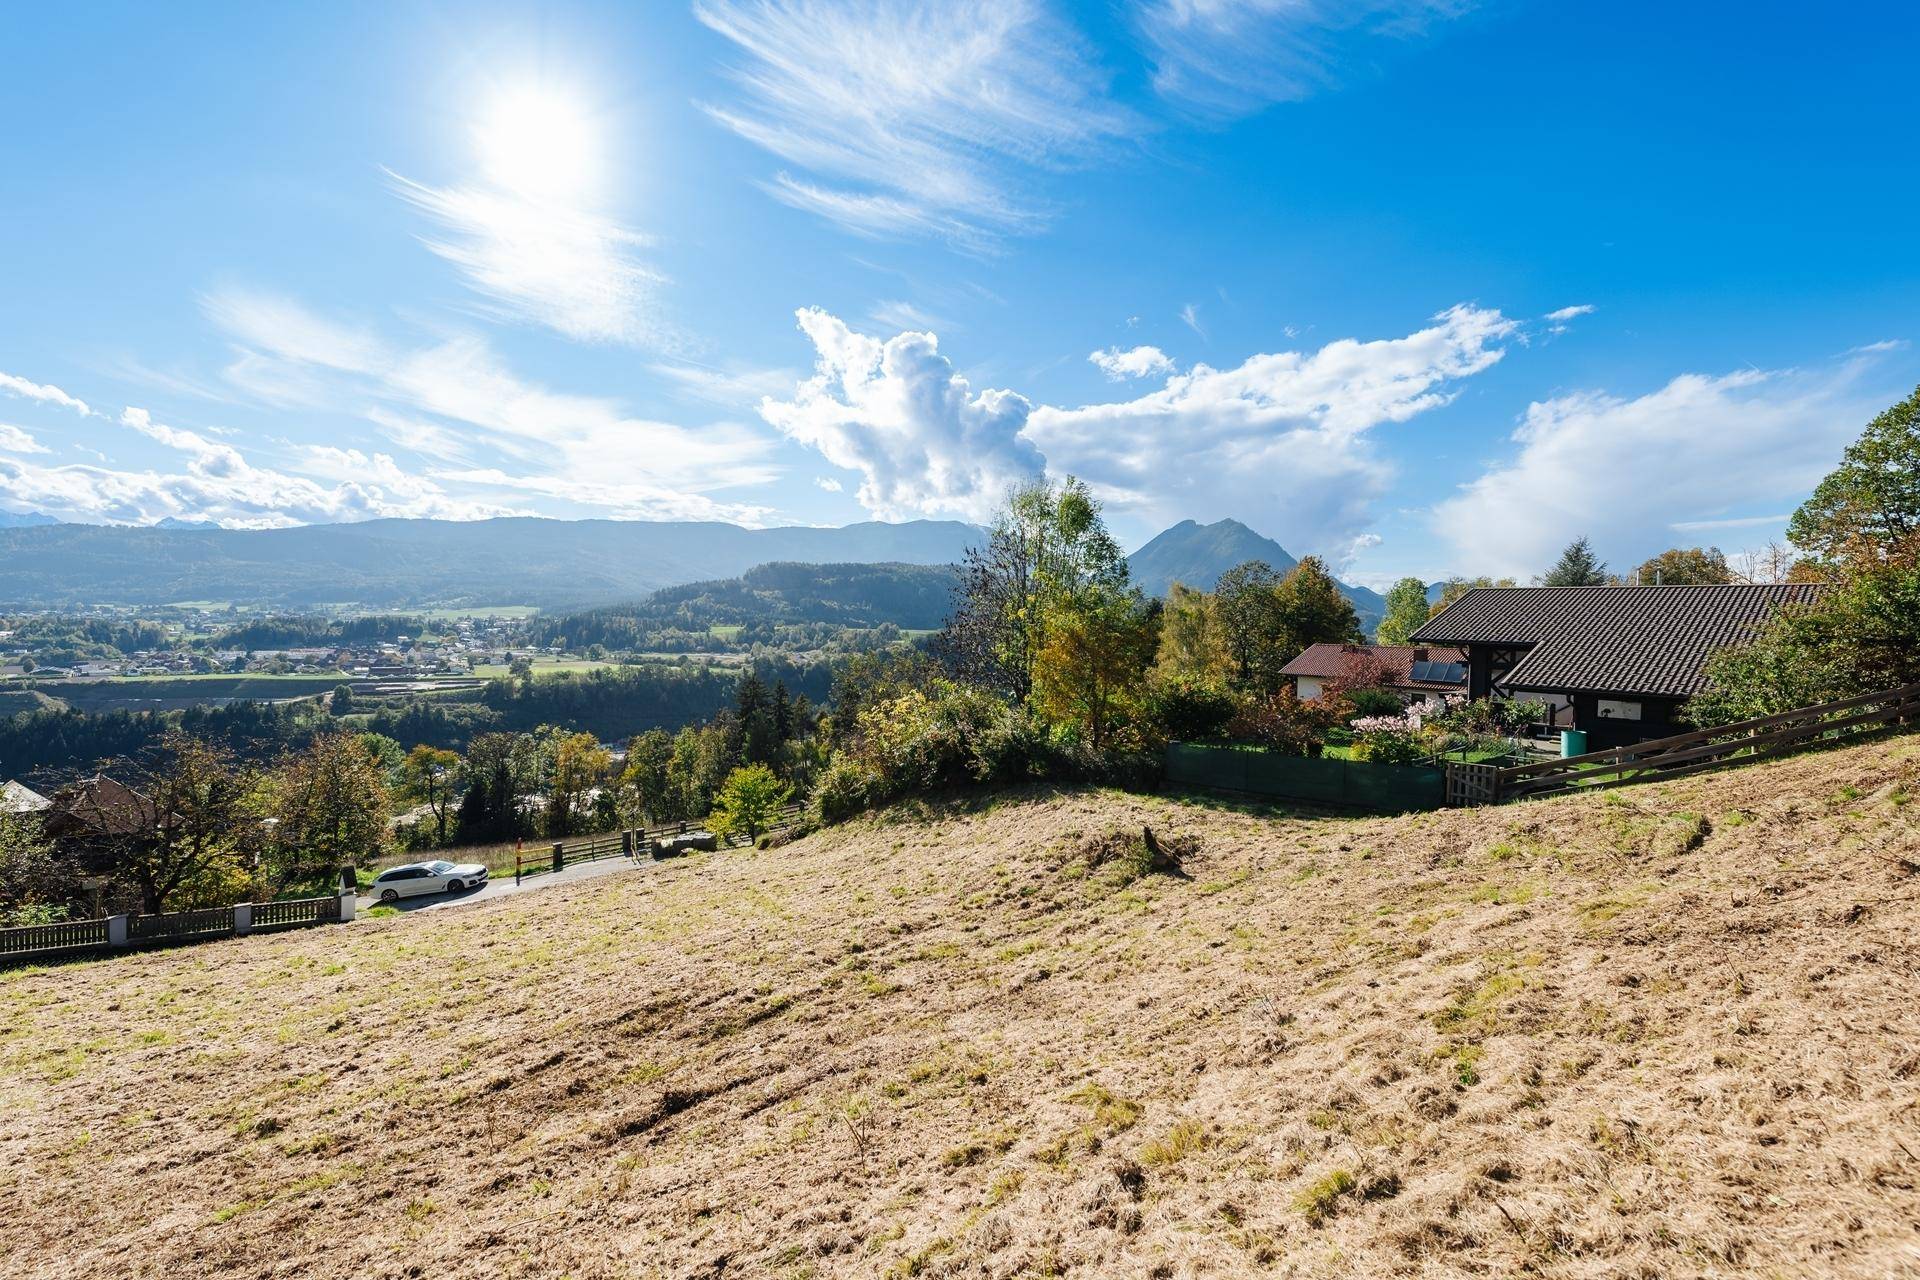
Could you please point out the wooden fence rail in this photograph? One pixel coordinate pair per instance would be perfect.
(68, 935)
(1684, 753)
(295, 912)
(43, 941)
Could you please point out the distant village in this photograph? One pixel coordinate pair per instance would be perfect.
(456, 650)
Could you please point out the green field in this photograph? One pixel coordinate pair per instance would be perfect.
(542, 668)
(474, 611)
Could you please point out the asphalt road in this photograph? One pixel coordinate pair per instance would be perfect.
(504, 886)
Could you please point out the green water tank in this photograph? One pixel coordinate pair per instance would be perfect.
(1573, 742)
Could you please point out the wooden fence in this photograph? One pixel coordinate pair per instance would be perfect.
(631, 843)
(44, 941)
(1685, 753)
(68, 935)
(297, 912)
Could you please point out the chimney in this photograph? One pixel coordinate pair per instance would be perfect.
(1419, 655)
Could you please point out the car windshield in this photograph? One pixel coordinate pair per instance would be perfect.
(440, 868)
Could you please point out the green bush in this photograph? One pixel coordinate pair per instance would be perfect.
(842, 790)
(1376, 702)
(1189, 710)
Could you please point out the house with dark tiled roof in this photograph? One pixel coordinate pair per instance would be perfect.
(1415, 671)
(1617, 662)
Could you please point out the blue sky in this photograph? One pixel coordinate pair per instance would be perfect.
(1424, 286)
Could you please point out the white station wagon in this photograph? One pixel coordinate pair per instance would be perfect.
(427, 877)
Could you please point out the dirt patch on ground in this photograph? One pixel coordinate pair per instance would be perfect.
(1667, 1031)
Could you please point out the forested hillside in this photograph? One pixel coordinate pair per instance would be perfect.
(912, 597)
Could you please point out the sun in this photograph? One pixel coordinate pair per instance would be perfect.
(539, 142)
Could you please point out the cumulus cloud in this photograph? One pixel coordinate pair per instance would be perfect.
(1227, 57)
(1280, 440)
(1140, 362)
(1696, 455)
(897, 412)
(42, 392)
(909, 118)
(17, 440)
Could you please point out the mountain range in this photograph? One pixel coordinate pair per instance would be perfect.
(553, 564)
(405, 563)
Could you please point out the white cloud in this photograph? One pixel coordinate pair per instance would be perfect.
(1226, 57)
(1698, 454)
(570, 269)
(734, 386)
(1190, 317)
(895, 314)
(220, 484)
(17, 440)
(456, 401)
(1140, 362)
(913, 118)
(42, 392)
(1732, 522)
(896, 411)
(1557, 321)
(1281, 441)
(828, 483)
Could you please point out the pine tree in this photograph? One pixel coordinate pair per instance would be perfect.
(1577, 567)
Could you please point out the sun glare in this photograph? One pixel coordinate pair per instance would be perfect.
(539, 143)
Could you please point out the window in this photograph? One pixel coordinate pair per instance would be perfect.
(1613, 710)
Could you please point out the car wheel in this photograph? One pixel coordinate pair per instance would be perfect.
(454, 886)
(391, 895)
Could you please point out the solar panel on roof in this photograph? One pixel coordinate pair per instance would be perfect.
(1422, 670)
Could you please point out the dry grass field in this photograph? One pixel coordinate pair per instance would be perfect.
(1666, 1031)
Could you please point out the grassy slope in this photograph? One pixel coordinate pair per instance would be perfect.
(1671, 1031)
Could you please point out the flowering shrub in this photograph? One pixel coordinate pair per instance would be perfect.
(1400, 739)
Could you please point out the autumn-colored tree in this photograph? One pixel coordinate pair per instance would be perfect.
(1092, 668)
(333, 806)
(1310, 610)
(580, 764)
(431, 776)
(1192, 646)
(643, 783)
(1685, 567)
(1047, 543)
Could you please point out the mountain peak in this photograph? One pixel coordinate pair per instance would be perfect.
(1195, 555)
